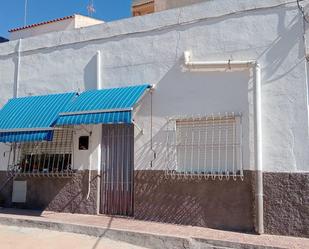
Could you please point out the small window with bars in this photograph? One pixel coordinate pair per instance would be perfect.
(43, 158)
(209, 146)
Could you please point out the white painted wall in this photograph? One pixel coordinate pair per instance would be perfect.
(85, 21)
(185, 93)
(87, 159)
(150, 48)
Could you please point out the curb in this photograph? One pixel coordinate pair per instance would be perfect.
(148, 240)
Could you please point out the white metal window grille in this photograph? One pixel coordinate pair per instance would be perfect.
(43, 158)
(208, 146)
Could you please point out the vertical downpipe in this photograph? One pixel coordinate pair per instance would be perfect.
(99, 77)
(99, 86)
(16, 85)
(258, 151)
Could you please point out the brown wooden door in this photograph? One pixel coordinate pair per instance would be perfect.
(117, 170)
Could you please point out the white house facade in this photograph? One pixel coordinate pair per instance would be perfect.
(216, 135)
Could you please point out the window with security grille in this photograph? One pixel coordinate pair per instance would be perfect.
(50, 158)
(208, 145)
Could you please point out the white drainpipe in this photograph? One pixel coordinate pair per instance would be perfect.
(217, 65)
(258, 150)
(99, 86)
(99, 78)
(16, 85)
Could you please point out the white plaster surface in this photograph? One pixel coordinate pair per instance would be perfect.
(150, 49)
(85, 21)
(87, 159)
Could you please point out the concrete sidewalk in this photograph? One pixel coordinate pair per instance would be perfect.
(12, 237)
(146, 234)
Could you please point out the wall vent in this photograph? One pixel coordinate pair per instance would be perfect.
(19, 191)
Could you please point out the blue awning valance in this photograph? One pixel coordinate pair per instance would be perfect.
(26, 136)
(31, 118)
(108, 106)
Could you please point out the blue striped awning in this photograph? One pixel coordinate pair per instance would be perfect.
(31, 118)
(108, 106)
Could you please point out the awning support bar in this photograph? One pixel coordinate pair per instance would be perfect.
(31, 129)
(95, 111)
(138, 127)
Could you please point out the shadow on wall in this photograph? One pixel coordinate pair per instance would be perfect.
(288, 37)
(90, 72)
(67, 195)
(6, 187)
(228, 47)
(217, 204)
(185, 93)
(15, 61)
(144, 155)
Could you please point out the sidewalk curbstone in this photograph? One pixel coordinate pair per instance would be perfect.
(148, 240)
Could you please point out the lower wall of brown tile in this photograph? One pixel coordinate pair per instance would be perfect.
(286, 203)
(228, 205)
(208, 203)
(6, 187)
(57, 194)
(216, 204)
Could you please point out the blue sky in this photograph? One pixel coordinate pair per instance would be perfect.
(12, 11)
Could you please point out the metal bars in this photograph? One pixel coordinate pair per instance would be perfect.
(43, 158)
(117, 170)
(205, 146)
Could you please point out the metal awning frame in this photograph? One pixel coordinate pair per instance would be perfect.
(30, 129)
(137, 104)
(95, 111)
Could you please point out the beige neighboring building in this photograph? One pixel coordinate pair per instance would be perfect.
(143, 7)
(60, 24)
